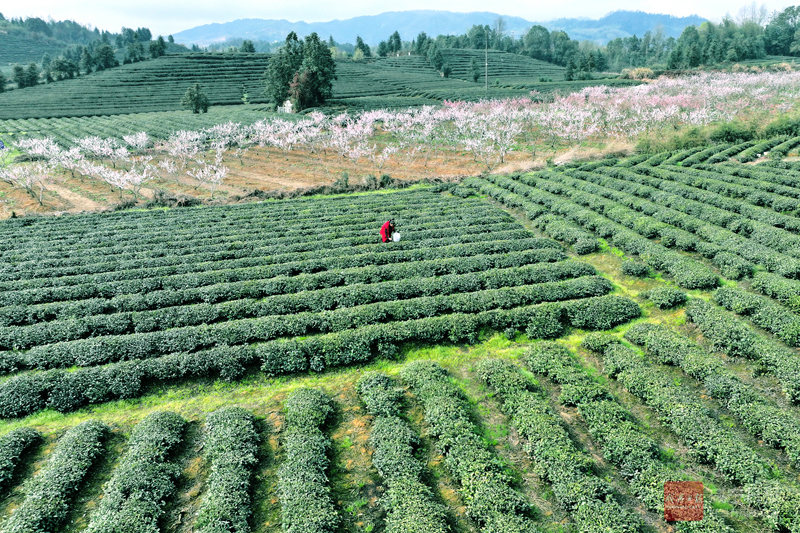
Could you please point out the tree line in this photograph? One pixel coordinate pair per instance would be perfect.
(96, 55)
(754, 34)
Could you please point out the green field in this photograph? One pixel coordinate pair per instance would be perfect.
(257, 327)
(158, 85)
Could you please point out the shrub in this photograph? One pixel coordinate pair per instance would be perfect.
(231, 448)
(12, 445)
(602, 312)
(665, 297)
(49, 493)
(733, 132)
(634, 268)
(732, 266)
(379, 393)
(303, 487)
(585, 246)
(134, 498)
(783, 125)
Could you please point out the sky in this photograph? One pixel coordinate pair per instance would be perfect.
(171, 16)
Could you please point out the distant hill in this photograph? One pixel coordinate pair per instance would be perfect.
(376, 28)
(622, 24)
(372, 29)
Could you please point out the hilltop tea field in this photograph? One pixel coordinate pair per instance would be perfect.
(539, 352)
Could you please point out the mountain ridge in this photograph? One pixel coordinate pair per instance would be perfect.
(375, 28)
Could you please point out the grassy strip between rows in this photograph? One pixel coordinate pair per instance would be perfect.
(410, 505)
(589, 499)
(486, 489)
(623, 441)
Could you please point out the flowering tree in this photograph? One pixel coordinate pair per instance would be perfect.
(33, 178)
(138, 141)
(211, 174)
(490, 130)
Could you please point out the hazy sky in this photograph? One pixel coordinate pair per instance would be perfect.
(171, 16)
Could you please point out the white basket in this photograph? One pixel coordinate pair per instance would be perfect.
(396, 236)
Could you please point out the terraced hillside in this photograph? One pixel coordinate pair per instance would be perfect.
(158, 85)
(295, 374)
(153, 85)
(23, 49)
(504, 67)
(410, 80)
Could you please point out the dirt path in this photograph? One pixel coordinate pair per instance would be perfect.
(79, 203)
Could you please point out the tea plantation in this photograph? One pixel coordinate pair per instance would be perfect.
(158, 85)
(538, 352)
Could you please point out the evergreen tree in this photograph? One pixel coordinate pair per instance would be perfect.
(781, 31)
(143, 35)
(302, 70)
(46, 60)
(171, 39)
(537, 43)
(435, 57)
(474, 70)
(134, 52)
(383, 49)
(158, 47)
(87, 61)
(104, 57)
(19, 76)
(282, 68)
(320, 70)
(32, 75)
(360, 45)
(421, 44)
(247, 47)
(569, 73)
(395, 44)
(693, 56)
(3, 80)
(195, 100)
(600, 61)
(674, 61)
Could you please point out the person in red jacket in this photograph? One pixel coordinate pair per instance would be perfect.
(386, 230)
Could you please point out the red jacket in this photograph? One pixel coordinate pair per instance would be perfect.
(386, 233)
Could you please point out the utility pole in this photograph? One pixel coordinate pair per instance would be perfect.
(486, 59)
